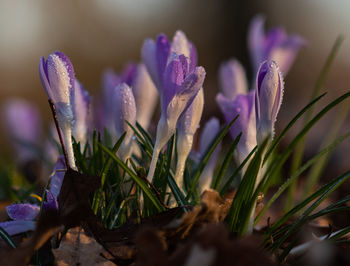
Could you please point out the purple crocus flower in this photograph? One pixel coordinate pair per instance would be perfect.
(242, 105)
(22, 125)
(125, 111)
(24, 214)
(232, 79)
(57, 78)
(211, 129)
(268, 98)
(275, 45)
(187, 126)
(81, 110)
(177, 79)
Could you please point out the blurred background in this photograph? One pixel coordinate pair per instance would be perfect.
(109, 33)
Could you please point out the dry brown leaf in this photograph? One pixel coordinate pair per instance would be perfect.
(76, 248)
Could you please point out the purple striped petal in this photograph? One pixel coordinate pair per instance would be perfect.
(17, 227)
(173, 79)
(268, 98)
(23, 211)
(162, 53)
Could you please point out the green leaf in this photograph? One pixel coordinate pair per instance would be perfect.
(226, 162)
(322, 194)
(139, 181)
(7, 238)
(237, 171)
(297, 173)
(299, 151)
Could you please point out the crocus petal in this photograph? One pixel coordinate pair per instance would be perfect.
(180, 44)
(243, 106)
(59, 171)
(22, 122)
(173, 79)
(285, 54)
(185, 95)
(268, 98)
(81, 114)
(256, 39)
(128, 74)
(162, 53)
(149, 59)
(17, 227)
(125, 108)
(187, 126)
(211, 129)
(275, 45)
(51, 201)
(232, 79)
(23, 211)
(145, 94)
(193, 57)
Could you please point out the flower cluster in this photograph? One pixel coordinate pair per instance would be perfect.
(169, 71)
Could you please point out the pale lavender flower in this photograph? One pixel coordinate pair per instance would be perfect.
(186, 128)
(125, 112)
(81, 110)
(268, 98)
(232, 79)
(242, 105)
(177, 79)
(22, 124)
(145, 94)
(211, 129)
(275, 45)
(57, 78)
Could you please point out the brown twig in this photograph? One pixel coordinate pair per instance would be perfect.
(54, 114)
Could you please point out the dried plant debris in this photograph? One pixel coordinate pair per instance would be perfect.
(76, 248)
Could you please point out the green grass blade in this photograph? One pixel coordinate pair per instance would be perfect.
(139, 181)
(7, 238)
(318, 168)
(296, 174)
(226, 162)
(277, 140)
(145, 135)
(243, 202)
(209, 151)
(322, 194)
(299, 151)
(280, 160)
(237, 171)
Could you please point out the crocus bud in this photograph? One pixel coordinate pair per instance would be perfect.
(275, 45)
(242, 105)
(22, 124)
(145, 94)
(211, 129)
(186, 128)
(125, 111)
(57, 78)
(82, 101)
(232, 79)
(178, 81)
(268, 98)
